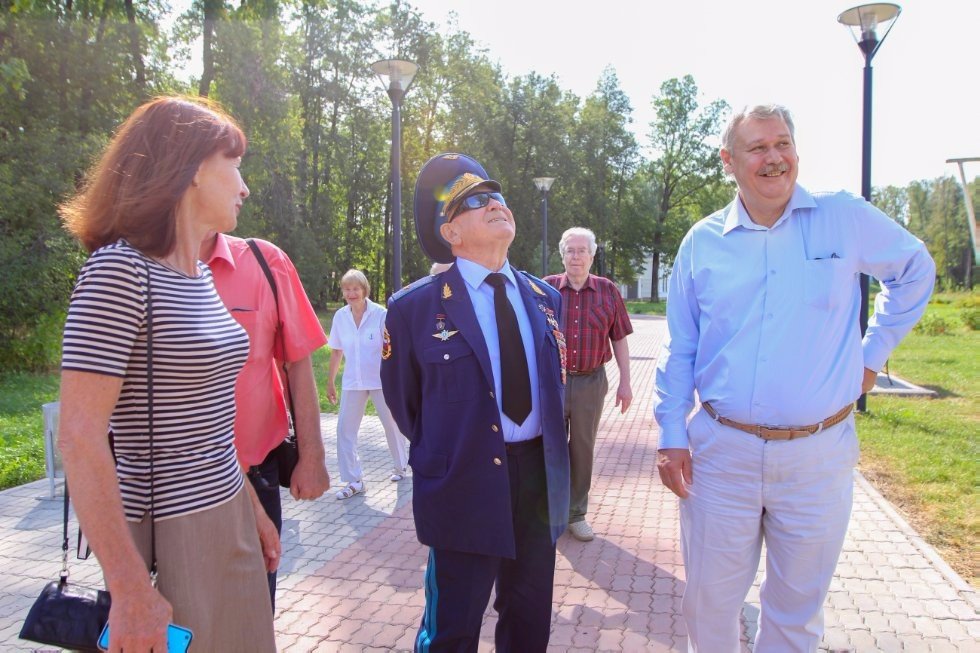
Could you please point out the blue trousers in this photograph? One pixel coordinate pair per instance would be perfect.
(458, 584)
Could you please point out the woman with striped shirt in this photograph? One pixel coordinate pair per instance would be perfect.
(169, 176)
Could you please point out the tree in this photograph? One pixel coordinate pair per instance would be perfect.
(686, 163)
(608, 151)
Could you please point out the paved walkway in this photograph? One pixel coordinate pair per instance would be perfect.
(352, 570)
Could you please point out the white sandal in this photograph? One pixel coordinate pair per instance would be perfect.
(350, 490)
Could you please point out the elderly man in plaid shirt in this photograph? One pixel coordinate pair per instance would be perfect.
(595, 323)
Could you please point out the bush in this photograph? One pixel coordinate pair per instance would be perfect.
(971, 318)
(36, 346)
(932, 325)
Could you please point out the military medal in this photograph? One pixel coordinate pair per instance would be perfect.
(562, 352)
(441, 332)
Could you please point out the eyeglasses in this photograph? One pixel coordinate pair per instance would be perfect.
(478, 201)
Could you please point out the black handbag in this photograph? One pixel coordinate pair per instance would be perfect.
(71, 616)
(67, 615)
(287, 457)
(287, 453)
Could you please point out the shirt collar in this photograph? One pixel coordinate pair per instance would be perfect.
(737, 216)
(590, 283)
(221, 252)
(474, 274)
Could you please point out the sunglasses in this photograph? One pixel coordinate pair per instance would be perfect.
(478, 201)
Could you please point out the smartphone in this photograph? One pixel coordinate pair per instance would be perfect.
(178, 639)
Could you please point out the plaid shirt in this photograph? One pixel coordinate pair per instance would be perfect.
(591, 318)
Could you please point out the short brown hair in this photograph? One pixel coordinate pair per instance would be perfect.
(133, 190)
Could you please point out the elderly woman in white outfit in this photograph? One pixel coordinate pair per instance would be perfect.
(356, 333)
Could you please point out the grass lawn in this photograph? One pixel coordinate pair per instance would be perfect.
(646, 308)
(922, 453)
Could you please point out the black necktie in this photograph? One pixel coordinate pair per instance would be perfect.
(514, 382)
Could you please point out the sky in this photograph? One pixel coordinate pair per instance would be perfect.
(794, 52)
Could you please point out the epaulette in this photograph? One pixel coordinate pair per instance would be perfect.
(412, 287)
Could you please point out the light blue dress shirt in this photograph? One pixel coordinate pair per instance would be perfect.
(481, 295)
(763, 322)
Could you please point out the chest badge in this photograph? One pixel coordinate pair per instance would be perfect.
(447, 292)
(535, 288)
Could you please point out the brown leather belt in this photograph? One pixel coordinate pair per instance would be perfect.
(781, 432)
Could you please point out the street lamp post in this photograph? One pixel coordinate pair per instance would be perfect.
(396, 75)
(543, 184)
(864, 22)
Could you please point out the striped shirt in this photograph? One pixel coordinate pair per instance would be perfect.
(198, 350)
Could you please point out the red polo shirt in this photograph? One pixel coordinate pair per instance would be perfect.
(591, 318)
(260, 420)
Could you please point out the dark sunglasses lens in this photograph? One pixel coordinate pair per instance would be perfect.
(479, 200)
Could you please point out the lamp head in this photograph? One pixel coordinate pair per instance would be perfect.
(866, 22)
(543, 184)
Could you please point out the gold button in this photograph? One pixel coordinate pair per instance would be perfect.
(497, 461)
(445, 357)
(493, 427)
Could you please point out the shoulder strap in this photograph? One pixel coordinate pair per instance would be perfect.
(252, 245)
(149, 414)
(265, 269)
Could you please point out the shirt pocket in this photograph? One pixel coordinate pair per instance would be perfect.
(453, 371)
(827, 283)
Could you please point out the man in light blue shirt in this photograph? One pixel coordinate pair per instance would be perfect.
(762, 315)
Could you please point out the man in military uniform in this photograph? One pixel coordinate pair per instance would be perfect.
(473, 372)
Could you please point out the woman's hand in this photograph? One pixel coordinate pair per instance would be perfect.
(269, 540)
(331, 391)
(138, 620)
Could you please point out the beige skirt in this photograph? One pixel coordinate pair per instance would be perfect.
(210, 568)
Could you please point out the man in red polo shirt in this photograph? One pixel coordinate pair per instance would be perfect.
(260, 400)
(593, 318)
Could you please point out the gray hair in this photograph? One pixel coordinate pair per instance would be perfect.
(577, 231)
(759, 112)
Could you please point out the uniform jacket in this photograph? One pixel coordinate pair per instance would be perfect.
(440, 392)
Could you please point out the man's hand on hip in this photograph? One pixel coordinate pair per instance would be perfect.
(310, 478)
(674, 466)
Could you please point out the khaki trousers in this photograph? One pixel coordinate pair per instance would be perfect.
(584, 396)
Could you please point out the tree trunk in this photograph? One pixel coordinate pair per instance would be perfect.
(134, 45)
(655, 275)
(207, 49)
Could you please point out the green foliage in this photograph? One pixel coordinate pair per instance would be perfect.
(971, 318)
(932, 325)
(22, 427)
(685, 181)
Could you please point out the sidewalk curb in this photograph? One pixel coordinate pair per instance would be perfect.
(962, 587)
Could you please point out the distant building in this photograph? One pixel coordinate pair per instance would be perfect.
(639, 288)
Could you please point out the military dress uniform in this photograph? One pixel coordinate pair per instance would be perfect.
(491, 511)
